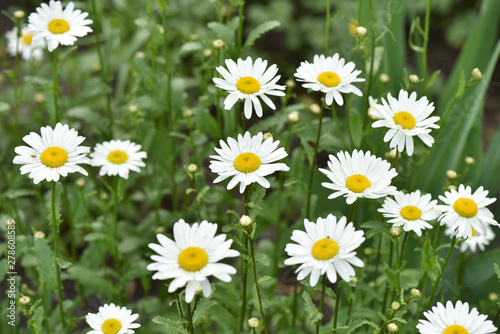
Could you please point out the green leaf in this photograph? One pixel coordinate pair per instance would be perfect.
(92, 280)
(63, 264)
(202, 193)
(224, 318)
(45, 264)
(4, 106)
(355, 126)
(177, 326)
(263, 279)
(314, 315)
(428, 259)
(222, 31)
(307, 149)
(201, 309)
(461, 85)
(16, 193)
(356, 323)
(432, 79)
(57, 206)
(259, 31)
(35, 322)
(497, 270)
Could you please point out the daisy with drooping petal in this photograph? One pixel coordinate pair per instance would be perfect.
(249, 81)
(112, 319)
(406, 117)
(455, 320)
(57, 25)
(28, 49)
(192, 257)
(476, 241)
(411, 211)
(464, 211)
(326, 247)
(118, 157)
(56, 153)
(247, 160)
(331, 76)
(361, 176)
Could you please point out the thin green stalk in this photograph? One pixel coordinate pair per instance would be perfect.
(351, 212)
(496, 316)
(294, 305)
(337, 306)
(393, 314)
(240, 26)
(190, 318)
(372, 53)
(116, 251)
(327, 28)
(16, 82)
(55, 84)
(337, 124)
(426, 40)
(387, 284)
(179, 305)
(56, 251)
(243, 265)
(436, 283)
(219, 10)
(254, 267)
(321, 301)
(313, 163)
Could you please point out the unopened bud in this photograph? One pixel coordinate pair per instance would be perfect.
(315, 108)
(361, 32)
(395, 231)
(395, 305)
(24, 300)
(207, 53)
(187, 113)
(415, 293)
(392, 327)
(253, 323)
(414, 79)
(392, 154)
(225, 11)
(470, 160)
(140, 54)
(451, 174)
(246, 221)
(452, 187)
(218, 44)
(477, 75)
(133, 107)
(198, 289)
(19, 14)
(293, 117)
(384, 78)
(39, 97)
(192, 168)
(266, 136)
(80, 182)
(354, 279)
(368, 251)
(96, 66)
(104, 196)
(290, 83)
(372, 109)
(493, 297)
(159, 230)
(10, 222)
(161, 30)
(39, 235)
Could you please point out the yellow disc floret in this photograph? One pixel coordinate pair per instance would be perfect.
(329, 79)
(357, 183)
(247, 162)
(325, 249)
(193, 259)
(117, 157)
(455, 329)
(465, 207)
(58, 26)
(410, 212)
(26, 38)
(405, 119)
(248, 85)
(111, 326)
(54, 157)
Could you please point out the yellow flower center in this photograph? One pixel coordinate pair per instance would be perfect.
(54, 157)
(247, 162)
(455, 329)
(357, 183)
(325, 249)
(117, 157)
(111, 326)
(405, 119)
(329, 79)
(248, 85)
(26, 38)
(58, 26)
(411, 212)
(474, 232)
(465, 207)
(193, 259)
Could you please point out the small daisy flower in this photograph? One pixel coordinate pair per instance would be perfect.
(326, 246)
(247, 160)
(56, 153)
(455, 320)
(464, 211)
(476, 241)
(406, 117)
(118, 157)
(192, 257)
(112, 319)
(28, 49)
(57, 25)
(361, 176)
(411, 211)
(331, 76)
(248, 81)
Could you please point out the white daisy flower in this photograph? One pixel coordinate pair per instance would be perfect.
(28, 49)
(464, 211)
(326, 246)
(406, 117)
(248, 81)
(331, 76)
(411, 211)
(112, 319)
(118, 157)
(476, 241)
(56, 153)
(362, 176)
(58, 26)
(192, 257)
(247, 160)
(455, 320)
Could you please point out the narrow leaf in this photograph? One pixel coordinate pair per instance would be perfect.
(259, 31)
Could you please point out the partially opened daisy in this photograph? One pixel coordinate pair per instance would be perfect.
(249, 81)
(192, 257)
(247, 160)
(406, 117)
(475, 242)
(28, 49)
(326, 247)
(464, 211)
(54, 154)
(331, 76)
(412, 211)
(455, 320)
(361, 176)
(57, 25)
(112, 319)
(118, 157)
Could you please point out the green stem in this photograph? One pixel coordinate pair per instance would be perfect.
(116, 251)
(327, 28)
(436, 283)
(337, 305)
(190, 318)
(321, 301)
(16, 83)
(179, 305)
(393, 314)
(372, 53)
(240, 26)
(55, 84)
(351, 212)
(243, 265)
(496, 316)
(254, 267)
(294, 305)
(426, 41)
(387, 284)
(219, 10)
(313, 163)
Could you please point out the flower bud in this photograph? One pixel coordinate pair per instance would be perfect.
(452, 187)
(24, 300)
(207, 53)
(159, 230)
(198, 289)
(395, 305)
(194, 37)
(470, 160)
(395, 231)
(96, 67)
(39, 97)
(477, 75)
(218, 44)
(361, 32)
(372, 109)
(187, 113)
(315, 108)
(493, 297)
(192, 168)
(392, 154)
(104, 196)
(384, 78)
(451, 174)
(293, 117)
(80, 182)
(354, 279)
(266, 136)
(133, 107)
(10, 222)
(246, 221)
(39, 235)
(19, 14)
(392, 327)
(414, 79)
(290, 83)
(253, 322)
(415, 293)
(140, 54)
(161, 29)
(368, 251)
